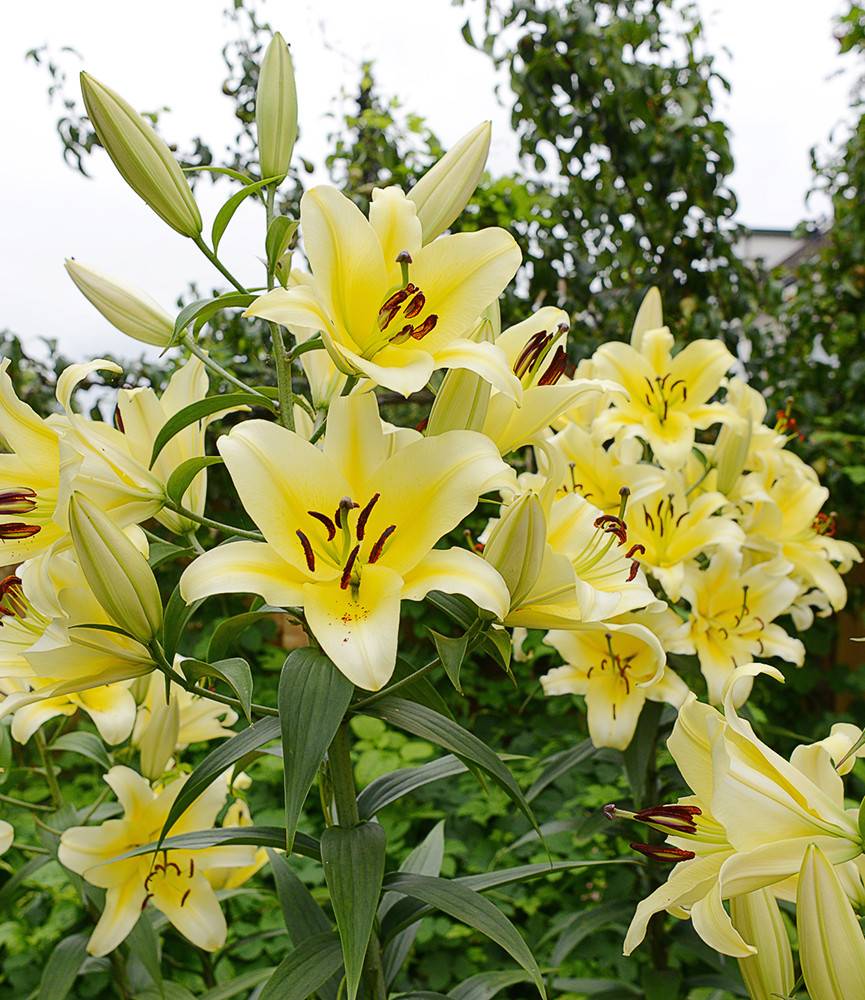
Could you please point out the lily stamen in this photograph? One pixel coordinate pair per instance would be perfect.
(376, 551)
(17, 501)
(18, 529)
(663, 852)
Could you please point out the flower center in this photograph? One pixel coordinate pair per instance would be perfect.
(664, 519)
(404, 314)
(13, 604)
(824, 524)
(618, 666)
(660, 395)
(610, 529)
(340, 545)
(20, 500)
(528, 365)
(167, 877)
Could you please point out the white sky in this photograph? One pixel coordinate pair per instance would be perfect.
(787, 95)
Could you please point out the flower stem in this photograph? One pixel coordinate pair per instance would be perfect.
(217, 263)
(217, 369)
(208, 522)
(50, 774)
(388, 691)
(282, 360)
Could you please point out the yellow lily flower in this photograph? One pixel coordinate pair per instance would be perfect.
(831, 944)
(111, 707)
(672, 530)
(768, 974)
(616, 667)
(111, 466)
(29, 477)
(388, 308)
(7, 835)
(353, 535)
(175, 882)
(733, 612)
(668, 395)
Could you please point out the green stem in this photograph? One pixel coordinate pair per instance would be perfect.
(9, 800)
(313, 344)
(50, 774)
(388, 691)
(281, 359)
(208, 522)
(342, 778)
(217, 263)
(217, 369)
(29, 848)
(350, 383)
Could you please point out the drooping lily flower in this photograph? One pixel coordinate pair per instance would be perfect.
(175, 882)
(733, 612)
(668, 395)
(616, 667)
(389, 308)
(350, 529)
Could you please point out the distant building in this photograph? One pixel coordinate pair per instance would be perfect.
(778, 247)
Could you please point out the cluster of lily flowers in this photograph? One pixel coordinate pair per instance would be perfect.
(638, 516)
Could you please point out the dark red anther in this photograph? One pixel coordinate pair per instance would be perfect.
(375, 552)
(422, 425)
(118, 420)
(428, 325)
(632, 572)
(614, 525)
(556, 368)
(307, 550)
(363, 516)
(185, 896)
(326, 521)
(531, 352)
(415, 306)
(345, 579)
(636, 548)
(17, 529)
(392, 306)
(675, 818)
(17, 501)
(146, 900)
(663, 852)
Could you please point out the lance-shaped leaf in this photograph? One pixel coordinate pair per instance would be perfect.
(353, 859)
(390, 787)
(238, 985)
(202, 310)
(303, 917)
(181, 479)
(61, 969)
(469, 907)
(486, 985)
(230, 629)
(216, 762)
(429, 725)
(313, 698)
(452, 653)
(558, 764)
(229, 836)
(226, 213)
(86, 744)
(200, 409)
(305, 970)
(235, 672)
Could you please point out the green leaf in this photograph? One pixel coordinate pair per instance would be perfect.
(471, 908)
(486, 985)
(61, 969)
(303, 917)
(229, 630)
(313, 698)
(203, 309)
(452, 653)
(641, 749)
(279, 234)
(226, 213)
(228, 836)
(425, 859)
(305, 970)
(390, 787)
(237, 984)
(181, 479)
(234, 672)
(162, 552)
(175, 620)
(215, 763)
(144, 946)
(353, 859)
(225, 171)
(200, 409)
(86, 744)
(11, 885)
(586, 923)
(428, 725)
(168, 991)
(559, 764)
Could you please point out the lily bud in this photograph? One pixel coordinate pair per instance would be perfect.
(276, 109)
(132, 312)
(758, 920)
(158, 741)
(463, 398)
(118, 574)
(731, 453)
(516, 544)
(445, 189)
(144, 160)
(831, 945)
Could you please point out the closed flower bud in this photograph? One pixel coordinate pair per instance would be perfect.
(132, 312)
(515, 546)
(831, 945)
(463, 398)
(158, 740)
(118, 574)
(758, 920)
(144, 160)
(276, 109)
(445, 189)
(731, 453)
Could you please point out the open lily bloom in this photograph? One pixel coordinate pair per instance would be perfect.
(350, 529)
(732, 616)
(668, 395)
(173, 881)
(29, 478)
(111, 707)
(616, 667)
(535, 352)
(111, 466)
(388, 308)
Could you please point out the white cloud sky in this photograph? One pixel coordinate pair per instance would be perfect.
(165, 52)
